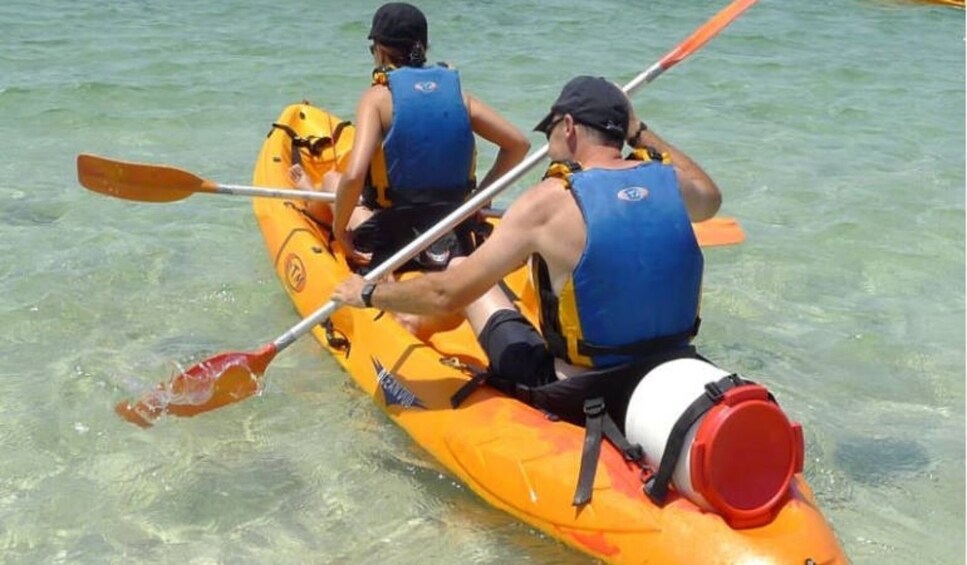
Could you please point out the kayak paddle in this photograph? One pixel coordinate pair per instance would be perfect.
(718, 231)
(161, 183)
(230, 377)
(144, 182)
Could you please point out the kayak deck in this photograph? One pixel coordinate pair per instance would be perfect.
(510, 454)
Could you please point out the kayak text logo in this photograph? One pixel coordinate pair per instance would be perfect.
(295, 272)
(394, 393)
(633, 194)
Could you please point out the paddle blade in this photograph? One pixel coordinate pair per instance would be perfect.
(137, 181)
(703, 34)
(719, 231)
(223, 379)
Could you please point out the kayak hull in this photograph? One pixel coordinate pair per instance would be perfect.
(508, 453)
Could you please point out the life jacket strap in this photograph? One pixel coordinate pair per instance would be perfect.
(557, 342)
(550, 323)
(562, 170)
(381, 75)
(657, 486)
(649, 154)
(422, 197)
(639, 348)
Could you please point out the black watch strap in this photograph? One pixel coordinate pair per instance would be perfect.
(367, 294)
(642, 128)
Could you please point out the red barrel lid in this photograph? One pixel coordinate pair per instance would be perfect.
(744, 456)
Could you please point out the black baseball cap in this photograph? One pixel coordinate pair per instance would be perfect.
(593, 101)
(399, 24)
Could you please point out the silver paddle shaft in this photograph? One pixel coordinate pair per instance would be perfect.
(240, 190)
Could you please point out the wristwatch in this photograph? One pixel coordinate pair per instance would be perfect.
(367, 294)
(636, 138)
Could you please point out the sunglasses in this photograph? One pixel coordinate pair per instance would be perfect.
(550, 127)
(372, 49)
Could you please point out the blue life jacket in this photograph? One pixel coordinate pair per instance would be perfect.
(428, 154)
(637, 286)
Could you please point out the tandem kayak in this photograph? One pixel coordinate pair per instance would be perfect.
(510, 454)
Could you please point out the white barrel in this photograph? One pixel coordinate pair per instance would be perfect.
(657, 403)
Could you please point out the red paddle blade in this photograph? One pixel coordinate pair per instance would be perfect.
(702, 35)
(210, 384)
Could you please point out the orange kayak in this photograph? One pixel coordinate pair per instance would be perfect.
(954, 3)
(508, 453)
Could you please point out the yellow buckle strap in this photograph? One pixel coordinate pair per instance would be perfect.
(648, 154)
(562, 170)
(381, 75)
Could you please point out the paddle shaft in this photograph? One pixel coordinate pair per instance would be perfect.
(289, 194)
(240, 190)
(478, 200)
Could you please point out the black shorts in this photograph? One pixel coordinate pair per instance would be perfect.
(387, 231)
(516, 350)
(518, 353)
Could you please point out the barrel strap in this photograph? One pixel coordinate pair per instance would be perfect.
(598, 424)
(657, 486)
(594, 428)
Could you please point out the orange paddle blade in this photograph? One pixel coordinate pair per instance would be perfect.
(138, 181)
(709, 30)
(210, 384)
(719, 231)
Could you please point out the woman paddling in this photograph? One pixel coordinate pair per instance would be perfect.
(413, 156)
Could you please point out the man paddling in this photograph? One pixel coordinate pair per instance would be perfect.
(614, 256)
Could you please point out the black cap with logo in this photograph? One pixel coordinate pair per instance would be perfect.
(399, 24)
(593, 101)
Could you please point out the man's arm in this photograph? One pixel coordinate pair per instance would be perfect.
(701, 194)
(511, 243)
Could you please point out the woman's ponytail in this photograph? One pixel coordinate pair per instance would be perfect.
(417, 55)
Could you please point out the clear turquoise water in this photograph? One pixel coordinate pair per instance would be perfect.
(836, 130)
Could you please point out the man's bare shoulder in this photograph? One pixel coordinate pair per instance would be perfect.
(538, 204)
(525, 223)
